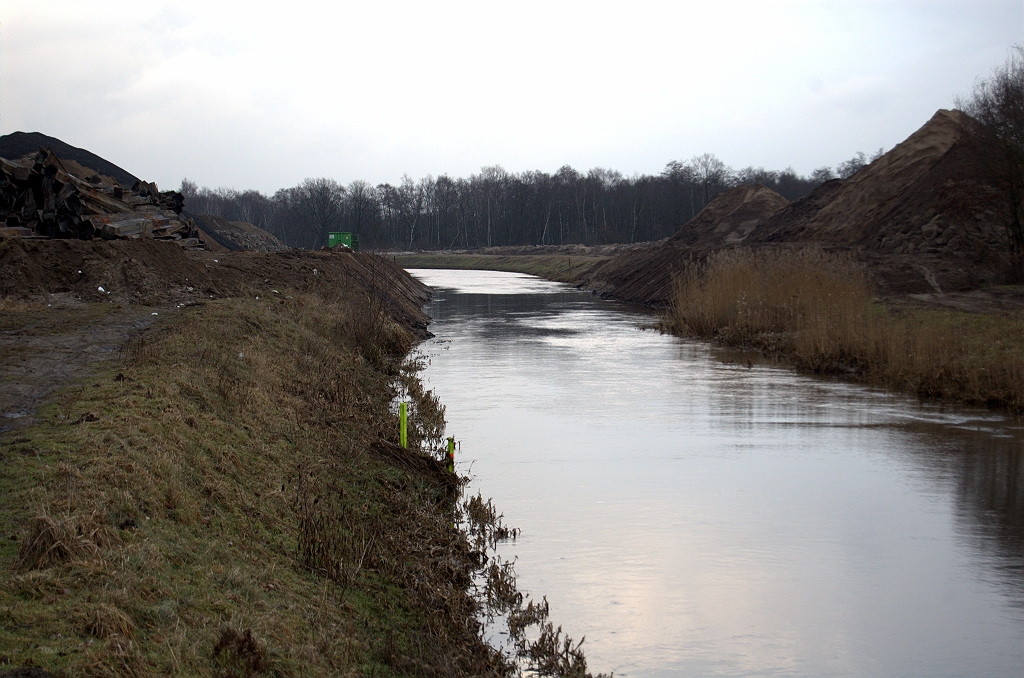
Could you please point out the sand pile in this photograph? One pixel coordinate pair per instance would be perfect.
(931, 194)
(223, 235)
(644, 275)
(730, 217)
(928, 217)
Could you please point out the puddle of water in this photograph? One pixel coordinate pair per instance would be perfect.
(692, 516)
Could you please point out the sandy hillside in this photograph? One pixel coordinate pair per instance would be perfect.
(932, 197)
(644, 275)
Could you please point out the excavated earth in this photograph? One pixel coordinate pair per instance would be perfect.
(221, 235)
(68, 305)
(927, 219)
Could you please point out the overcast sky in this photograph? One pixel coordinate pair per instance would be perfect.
(262, 95)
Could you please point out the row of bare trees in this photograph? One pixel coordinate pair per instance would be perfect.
(496, 207)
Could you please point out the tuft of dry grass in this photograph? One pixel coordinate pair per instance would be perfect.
(816, 309)
(47, 542)
(240, 655)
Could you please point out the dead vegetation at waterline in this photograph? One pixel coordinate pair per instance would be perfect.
(817, 310)
(231, 500)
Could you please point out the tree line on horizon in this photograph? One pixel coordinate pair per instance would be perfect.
(497, 208)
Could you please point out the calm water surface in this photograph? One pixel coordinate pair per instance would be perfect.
(692, 516)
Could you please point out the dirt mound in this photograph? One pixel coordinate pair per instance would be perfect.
(162, 274)
(639, 276)
(730, 217)
(19, 144)
(926, 218)
(643, 275)
(932, 195)
(237, 235)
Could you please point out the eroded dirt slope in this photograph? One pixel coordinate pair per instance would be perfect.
(933, 199)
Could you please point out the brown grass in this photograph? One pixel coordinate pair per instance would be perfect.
(47, 542)
(817, 310)
(236, 503)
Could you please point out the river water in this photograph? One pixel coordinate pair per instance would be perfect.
(693, 512)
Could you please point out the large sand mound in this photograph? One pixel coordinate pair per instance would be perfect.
(644, 275)
(932, 194)
(928, 217)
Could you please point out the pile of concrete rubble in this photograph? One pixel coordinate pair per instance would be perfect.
(43, 196)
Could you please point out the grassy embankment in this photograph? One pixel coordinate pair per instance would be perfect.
(229, 499)
(817, 311)
(557, 267)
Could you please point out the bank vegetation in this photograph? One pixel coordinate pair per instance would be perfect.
(229, 498)
(817, 311)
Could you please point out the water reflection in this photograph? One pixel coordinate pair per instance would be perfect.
(692, 515)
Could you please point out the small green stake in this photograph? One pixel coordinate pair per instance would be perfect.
(451, 455)
(403, 436)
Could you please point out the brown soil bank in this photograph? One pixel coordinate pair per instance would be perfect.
(224, 494)
(155, 273)
(925, 218)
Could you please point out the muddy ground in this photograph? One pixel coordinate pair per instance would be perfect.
(46, 347)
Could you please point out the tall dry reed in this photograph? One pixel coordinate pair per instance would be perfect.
(816, 309)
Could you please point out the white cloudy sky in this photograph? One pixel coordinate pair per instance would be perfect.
(262, 95)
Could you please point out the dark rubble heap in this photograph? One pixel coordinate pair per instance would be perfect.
(43, 196)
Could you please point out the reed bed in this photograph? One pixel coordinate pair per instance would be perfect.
(818, 311)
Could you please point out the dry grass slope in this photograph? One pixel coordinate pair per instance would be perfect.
(232, 501)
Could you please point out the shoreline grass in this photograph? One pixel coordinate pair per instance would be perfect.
(229, 499)
(817, 311)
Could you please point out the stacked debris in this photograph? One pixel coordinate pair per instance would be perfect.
(42, 196)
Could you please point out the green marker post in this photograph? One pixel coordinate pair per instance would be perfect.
(403, 416)
(451, 455)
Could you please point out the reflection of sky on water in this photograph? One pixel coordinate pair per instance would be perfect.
(693, 516)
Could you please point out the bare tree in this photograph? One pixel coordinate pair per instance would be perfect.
(848, 168)
(712, 174)
(997, 104)
(319, 203)
(821, 175)
(362, 206)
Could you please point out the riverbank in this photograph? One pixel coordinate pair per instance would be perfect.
(219, 490)
(961, 347)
